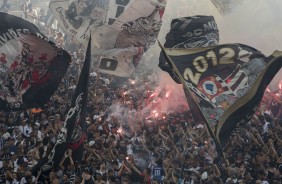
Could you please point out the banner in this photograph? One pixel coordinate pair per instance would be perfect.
(78, 17)
(227, 81)
(31, 67)
(119, 47)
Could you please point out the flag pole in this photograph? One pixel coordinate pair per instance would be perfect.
(218, 146)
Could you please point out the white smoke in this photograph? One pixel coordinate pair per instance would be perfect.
(258, 24)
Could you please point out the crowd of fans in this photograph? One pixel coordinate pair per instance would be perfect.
(125, 144)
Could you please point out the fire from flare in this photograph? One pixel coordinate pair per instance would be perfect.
(167, 94)
(119, 130)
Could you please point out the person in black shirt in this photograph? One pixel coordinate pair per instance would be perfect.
(42, 17)
(135, 177)
(248, 179)
(87, 178)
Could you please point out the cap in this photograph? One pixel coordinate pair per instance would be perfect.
(98, 173)
(267, 112)
(247, 157)
(91, 143)
(200, 126)
(204, 176)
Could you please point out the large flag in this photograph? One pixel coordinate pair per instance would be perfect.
(31, 67)
(227, 82)
(77, 18)
(73, 133)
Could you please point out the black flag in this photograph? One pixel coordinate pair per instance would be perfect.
(31, 67)
(190, 32)
(73, 133)
(227, 82)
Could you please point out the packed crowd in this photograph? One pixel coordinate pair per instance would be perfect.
(128, 143)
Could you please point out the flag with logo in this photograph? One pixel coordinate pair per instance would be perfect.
(31, 67)
(227, 82)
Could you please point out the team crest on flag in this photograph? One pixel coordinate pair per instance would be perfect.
(227, 81)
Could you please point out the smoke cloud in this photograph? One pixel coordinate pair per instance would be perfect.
(258, 24)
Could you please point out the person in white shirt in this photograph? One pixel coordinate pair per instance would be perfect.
(37, 131)
(31, 14)
(25, 128)
(267, 121)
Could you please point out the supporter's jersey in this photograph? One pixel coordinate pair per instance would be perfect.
(116, 176)
(158, 173)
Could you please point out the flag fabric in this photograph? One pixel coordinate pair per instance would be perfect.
(118, 48)
(228, 82)
(189, 32)
(123, 30)
(77, 18)
(31, 67)
(73, 134)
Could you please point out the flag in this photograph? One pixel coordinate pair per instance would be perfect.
(118, 48)
(73, 134)
(77, 18)
(189, 32)
(31, 67)
(228, 82)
